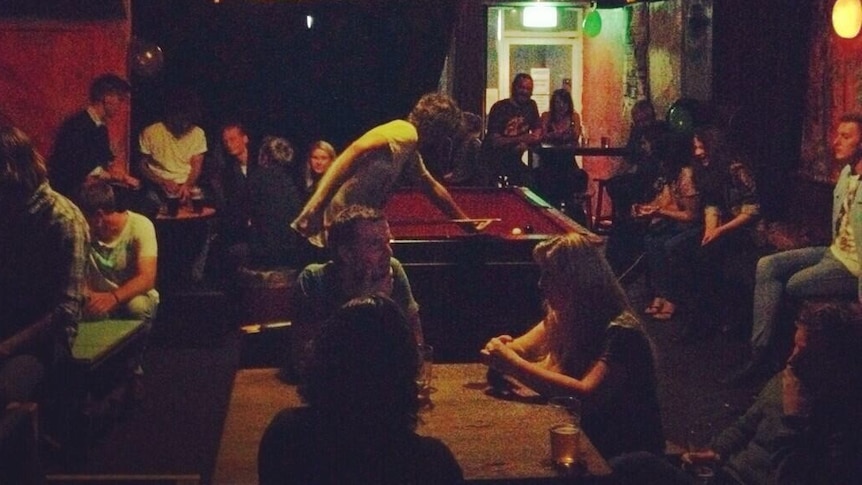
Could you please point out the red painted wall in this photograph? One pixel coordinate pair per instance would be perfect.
(46, 68)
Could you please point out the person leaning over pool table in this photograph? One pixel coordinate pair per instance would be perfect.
(366, 172)
(590, 345)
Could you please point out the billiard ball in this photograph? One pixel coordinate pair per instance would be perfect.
(516, 231)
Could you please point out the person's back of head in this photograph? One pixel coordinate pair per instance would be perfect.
(436, 117)
(275, 151)
(108, 84)
(22, 169)
(363, 368)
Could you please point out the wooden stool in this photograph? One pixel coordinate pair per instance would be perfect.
(266, 311)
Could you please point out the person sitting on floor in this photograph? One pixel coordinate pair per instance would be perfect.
(372, 166)
(805, 424)
(362, 264)
(590, 345)
(361, 409)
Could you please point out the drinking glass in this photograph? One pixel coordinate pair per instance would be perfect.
(426, 364)
(172, 203)
(564, 444)
(197, 196)
(699, 437)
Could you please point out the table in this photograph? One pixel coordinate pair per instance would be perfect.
(182, 239)
(493, 439)
(471, 287)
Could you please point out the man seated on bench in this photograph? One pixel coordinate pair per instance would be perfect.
(43, 251)
(122, 260)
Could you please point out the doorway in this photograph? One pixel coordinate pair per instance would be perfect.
(553, 55)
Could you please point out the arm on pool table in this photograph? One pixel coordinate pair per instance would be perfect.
(310, 220)
(441, 198)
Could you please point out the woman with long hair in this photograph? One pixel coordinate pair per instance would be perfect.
(361, 396)
(590, 345)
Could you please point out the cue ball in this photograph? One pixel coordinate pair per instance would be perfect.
(528, 229)
(516, 230)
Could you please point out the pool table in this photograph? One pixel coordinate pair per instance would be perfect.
(471, 287)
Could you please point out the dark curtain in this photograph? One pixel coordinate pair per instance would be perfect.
(361, 63)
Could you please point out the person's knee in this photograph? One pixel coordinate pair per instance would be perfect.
(142, 307)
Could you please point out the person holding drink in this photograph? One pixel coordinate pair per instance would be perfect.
(804, 426)
(589, 345)
(361, 409)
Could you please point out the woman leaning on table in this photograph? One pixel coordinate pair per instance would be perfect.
(590, 345)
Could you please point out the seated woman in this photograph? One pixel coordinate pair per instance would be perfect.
(362, 403)
(589, 345)
(320, 158)
(560, 178)
(726, 255)
(673, 219)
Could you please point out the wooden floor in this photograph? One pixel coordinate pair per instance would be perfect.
(257, 396)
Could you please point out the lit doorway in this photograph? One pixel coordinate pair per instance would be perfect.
(552, 54)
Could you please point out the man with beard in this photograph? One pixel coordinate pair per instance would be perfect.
(514, 126)
(361, 265)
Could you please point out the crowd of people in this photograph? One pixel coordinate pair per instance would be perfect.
(688, 203)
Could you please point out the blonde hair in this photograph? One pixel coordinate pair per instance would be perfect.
(311, 178)
(572, 264)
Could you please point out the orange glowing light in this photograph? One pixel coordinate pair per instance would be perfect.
(847, 18)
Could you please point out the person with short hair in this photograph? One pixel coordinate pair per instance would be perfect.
(123, 257)
(173, 149)
(361, 264)
(514, 126)
(274, 201)
(82, 148)
(369, 169)
(361, 403)
(820, 271)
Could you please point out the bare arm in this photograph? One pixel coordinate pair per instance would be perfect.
(517, 359)
(338, 173)
(441, 198)
(148, 174)
(103, 303)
